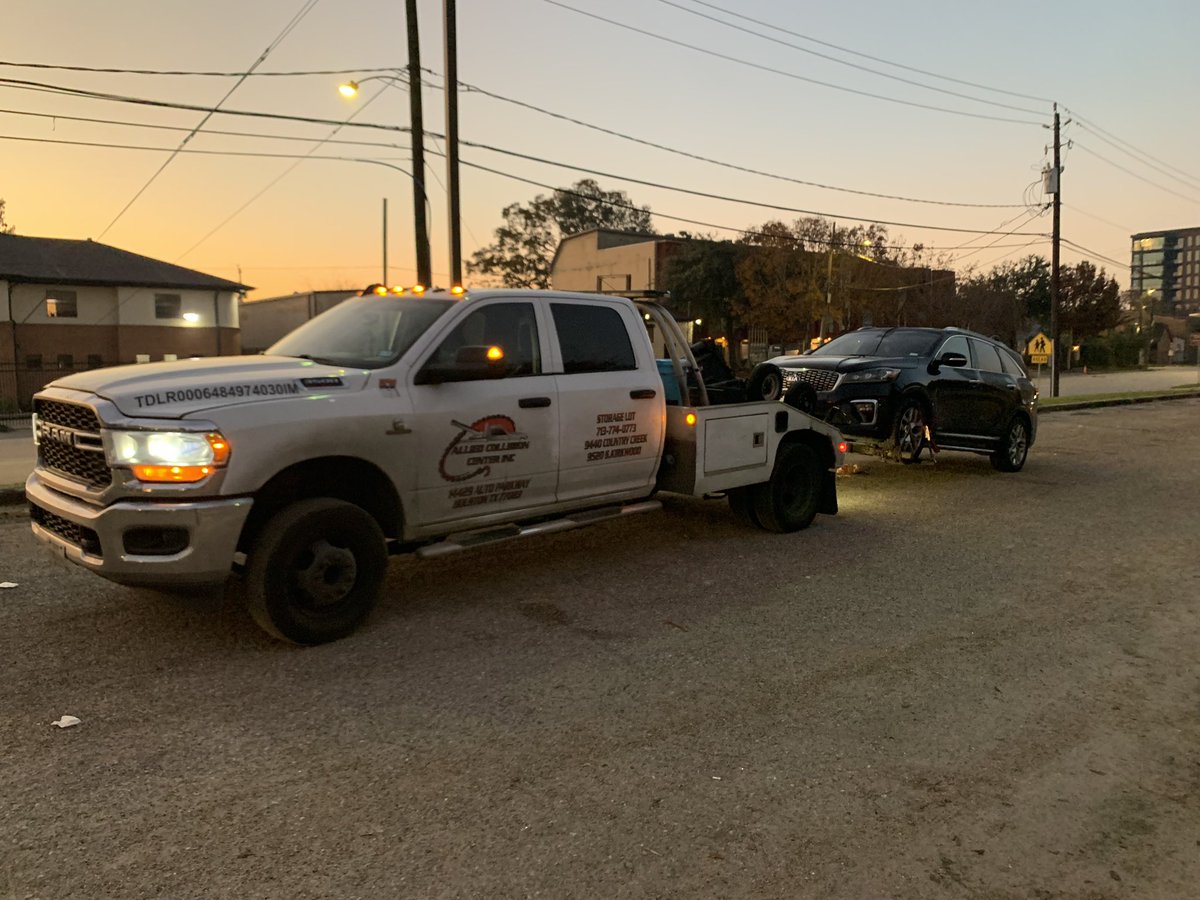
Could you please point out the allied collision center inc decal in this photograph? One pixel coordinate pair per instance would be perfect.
(474, 451)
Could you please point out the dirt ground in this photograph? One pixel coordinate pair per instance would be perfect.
(966, 684)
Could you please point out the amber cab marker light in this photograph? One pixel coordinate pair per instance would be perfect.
(458, 290)
(418, 288)
(495, 354)
(690, 418)
(381, 290)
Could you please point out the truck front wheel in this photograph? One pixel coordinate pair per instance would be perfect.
(789, 501)
(315, 571)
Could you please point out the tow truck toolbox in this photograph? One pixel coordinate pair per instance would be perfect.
(406, 423)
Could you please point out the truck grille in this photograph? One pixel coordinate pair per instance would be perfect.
(820, 379)
(69, 442)
(73, 534)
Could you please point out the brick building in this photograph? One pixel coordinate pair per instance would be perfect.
(67, 305)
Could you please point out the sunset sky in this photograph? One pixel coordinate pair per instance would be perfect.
(1127, 75)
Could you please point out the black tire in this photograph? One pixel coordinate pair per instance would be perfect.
(802, 397)
(909, 431)
(789, 501)
(766, 383)
(315, 571)
(741, 501)
(1010, 453)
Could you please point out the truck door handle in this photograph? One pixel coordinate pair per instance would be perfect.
(533, 402)
(643, 394)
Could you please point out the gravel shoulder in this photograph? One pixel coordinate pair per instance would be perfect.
(965, 684)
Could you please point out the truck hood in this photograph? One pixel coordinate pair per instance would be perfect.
(172, 390)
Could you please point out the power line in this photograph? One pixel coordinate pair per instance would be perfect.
(877, 59)
(193, 72)
(1094, 127)
(42, 87)
(1083, 212)
(469, 88)
(1083, 249)
(711, 196)
(861, 68)
(786, 74)
(509, 175)
(582, 169)
(208, 131)
(304, 10)
(1128, 171)
(1187, 182)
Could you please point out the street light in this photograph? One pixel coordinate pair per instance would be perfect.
(348, 89)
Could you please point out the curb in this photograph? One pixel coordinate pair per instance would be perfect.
(1122, 401)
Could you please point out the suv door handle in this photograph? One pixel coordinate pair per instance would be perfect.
(643, 394)
(533, 402)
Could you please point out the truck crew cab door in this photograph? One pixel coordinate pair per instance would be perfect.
(612, 419)
(487, 448)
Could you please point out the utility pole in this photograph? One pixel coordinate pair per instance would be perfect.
(385, 278)
(451, 91)
(827, 319)
(420, 225)
(1056, 184)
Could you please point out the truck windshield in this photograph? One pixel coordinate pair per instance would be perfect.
(368, 332)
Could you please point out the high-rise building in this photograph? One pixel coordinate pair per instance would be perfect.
(1166, 266)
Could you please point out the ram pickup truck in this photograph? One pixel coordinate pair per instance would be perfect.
(400, 423)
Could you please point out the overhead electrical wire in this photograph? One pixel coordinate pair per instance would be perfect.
(542, 161)
(878, 59)
(1094, 127)
(494, 171)
(1083, 212)
(1082, 249)
(763, 68)
(304, 10)
(4, 63)
(1133, 174)
(853, 65)
(1188, 182)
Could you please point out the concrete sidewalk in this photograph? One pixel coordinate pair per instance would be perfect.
(17, 456)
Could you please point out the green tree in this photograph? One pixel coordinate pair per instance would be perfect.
(702, 278)
(525, 244)
(5, 228)
(1090, 301)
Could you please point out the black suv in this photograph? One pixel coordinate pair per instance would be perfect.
(914, 386)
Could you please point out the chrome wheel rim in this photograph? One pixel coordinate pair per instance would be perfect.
(911, 433)
(1018, 444)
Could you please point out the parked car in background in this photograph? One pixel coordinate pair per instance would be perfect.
(912, 388)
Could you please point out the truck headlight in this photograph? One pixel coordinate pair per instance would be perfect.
(167, 456)
(867, 376)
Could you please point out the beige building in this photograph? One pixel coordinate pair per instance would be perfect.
(604, 260)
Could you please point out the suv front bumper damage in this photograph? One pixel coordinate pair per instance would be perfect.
(97, 538)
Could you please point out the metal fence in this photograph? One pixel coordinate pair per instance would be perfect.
(18, 384)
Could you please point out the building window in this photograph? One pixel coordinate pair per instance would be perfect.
(33, 361)
(66, 361)
(95, 361)
(168, 306)
(62, 305)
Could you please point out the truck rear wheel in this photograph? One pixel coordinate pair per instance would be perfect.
(315, 571)
(789, 501)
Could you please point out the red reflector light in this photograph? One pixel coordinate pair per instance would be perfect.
(843, 447)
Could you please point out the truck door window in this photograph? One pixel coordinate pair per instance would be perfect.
(593, 338)
(510, 326)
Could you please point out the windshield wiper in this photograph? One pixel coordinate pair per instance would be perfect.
(320, 360)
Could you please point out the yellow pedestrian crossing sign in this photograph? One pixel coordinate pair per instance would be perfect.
(1039, 349)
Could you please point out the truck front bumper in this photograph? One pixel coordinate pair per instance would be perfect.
(141, 542)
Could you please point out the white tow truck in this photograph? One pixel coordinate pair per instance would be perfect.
(423, 423)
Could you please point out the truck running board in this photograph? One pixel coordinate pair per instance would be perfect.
(473, 539)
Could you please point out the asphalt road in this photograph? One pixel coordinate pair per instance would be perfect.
(967, 684)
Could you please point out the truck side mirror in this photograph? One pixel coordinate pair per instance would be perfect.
(474, 363)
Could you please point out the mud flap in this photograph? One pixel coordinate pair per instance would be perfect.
(829, 503)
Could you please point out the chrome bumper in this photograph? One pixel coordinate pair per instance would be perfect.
(213, 528)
